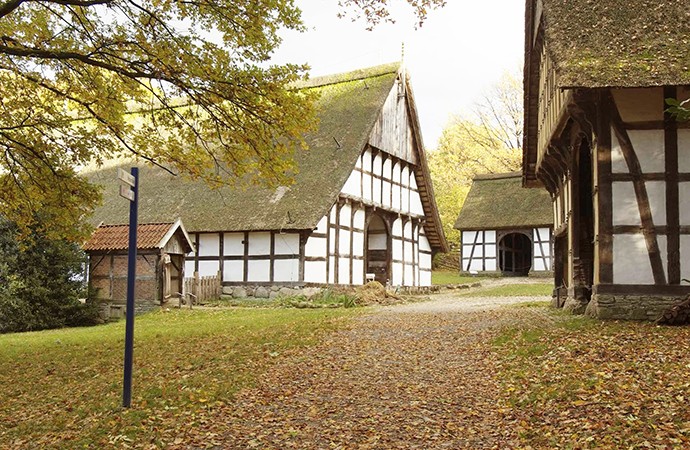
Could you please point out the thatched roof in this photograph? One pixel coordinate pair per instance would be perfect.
(348, 108)
(617, 43)
(499, 201)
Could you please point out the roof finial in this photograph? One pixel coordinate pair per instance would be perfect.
(402, 56)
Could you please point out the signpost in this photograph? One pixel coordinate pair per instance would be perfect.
(130, 191)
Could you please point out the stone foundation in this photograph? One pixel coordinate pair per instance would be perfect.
(630, 307)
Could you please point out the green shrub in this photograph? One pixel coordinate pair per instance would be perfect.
(40, 283)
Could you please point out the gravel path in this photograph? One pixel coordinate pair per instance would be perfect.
(414, 376)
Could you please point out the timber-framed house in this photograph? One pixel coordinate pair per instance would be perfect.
(361, 205)
(505, 229)
(617, 166)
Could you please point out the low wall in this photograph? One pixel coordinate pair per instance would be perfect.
(630, 307)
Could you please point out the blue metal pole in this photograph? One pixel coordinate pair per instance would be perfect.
(131, 278)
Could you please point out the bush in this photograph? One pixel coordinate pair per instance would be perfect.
(40, 283)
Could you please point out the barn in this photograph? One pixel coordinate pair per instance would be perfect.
(615, 163)
(361, 206)
(505, 229)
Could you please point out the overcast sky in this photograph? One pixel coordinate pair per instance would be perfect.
(457, 54)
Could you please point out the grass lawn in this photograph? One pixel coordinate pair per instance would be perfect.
(62, 388)
(451, 277)
(511, 290)
(573, 382)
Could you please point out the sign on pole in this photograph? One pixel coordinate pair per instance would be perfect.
(131, 193)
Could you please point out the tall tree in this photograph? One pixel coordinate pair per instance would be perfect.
(486, 140)
(187, 85)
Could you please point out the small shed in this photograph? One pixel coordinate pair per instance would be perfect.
(505, 228)
(161, 251)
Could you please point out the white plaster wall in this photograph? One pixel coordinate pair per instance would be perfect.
(366, 187)
(378, 164)
(315, 271)
(490, 264)
(409, 278)
(405, 206)
(424, 242)
(684, 197)
(353, 185)
(396, 197)
(684, 150)
(397, 249)
(625, 209)
(346, 216)
(376, 191)
(407, 251)
(209, 244)
(631, 263)
(322, 226)
(233, 244)
(331, 269)
(425, 278)
(189, 269)
(397, 276)
(396, 172)
(386, 195)
(287, 244)
(358, 243)
(344, 242)
(388, 169)
(315, 247)
(416, 207)
(366, 160)
(343, 271)
(397, 228)
(259, 243)
(649, 148)
(359, 219)
(208, 268)
(357, 271)
(538, 265)
(233, 270)
(405, 176)
(286, 270)
(618, 164)
(259, 270)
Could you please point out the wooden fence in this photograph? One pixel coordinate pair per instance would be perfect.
(200, 289)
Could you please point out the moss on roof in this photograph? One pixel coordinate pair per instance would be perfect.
(499, 201)
(348, 108)
(618, 43)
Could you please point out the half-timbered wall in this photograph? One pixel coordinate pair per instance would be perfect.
(383, 180)
(542, 251)
(256, 257)
(650, 188)
(479, 250)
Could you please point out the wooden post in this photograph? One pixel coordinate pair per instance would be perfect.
(197, 288)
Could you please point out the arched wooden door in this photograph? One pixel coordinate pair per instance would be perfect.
(515, 254)
(378, 250)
